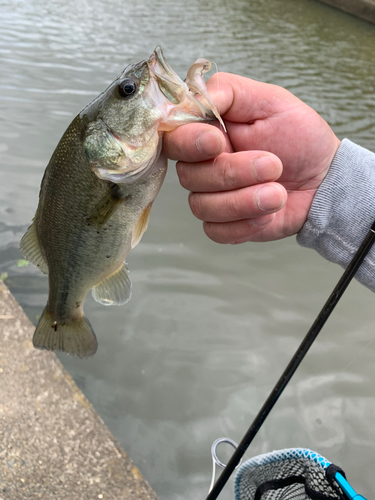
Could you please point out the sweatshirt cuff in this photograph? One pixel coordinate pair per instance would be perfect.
(343, 210)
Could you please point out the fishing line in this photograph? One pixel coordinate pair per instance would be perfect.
(295, 361)
(217, 71)
(358, 354)
(218, 89)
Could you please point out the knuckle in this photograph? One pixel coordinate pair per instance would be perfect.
(196, 205)
(183, 175)
(226, 233)
(212, 230)
(232, 206)
(229, 173)
(237, 233)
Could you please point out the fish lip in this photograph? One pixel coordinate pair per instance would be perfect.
(158, 58)
(158, 66)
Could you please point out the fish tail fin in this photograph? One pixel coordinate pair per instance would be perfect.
(75, 337)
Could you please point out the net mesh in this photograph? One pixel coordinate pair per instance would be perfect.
(292, 474)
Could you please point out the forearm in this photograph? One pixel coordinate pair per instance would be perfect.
(343, 210)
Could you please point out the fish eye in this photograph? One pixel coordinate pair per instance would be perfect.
(127, 88)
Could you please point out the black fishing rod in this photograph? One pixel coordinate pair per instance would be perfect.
(295, 362)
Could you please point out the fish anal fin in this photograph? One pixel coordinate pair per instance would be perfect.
(30, 248)
(141, 226)
(114, 290)
(75, 337)
(106, 207)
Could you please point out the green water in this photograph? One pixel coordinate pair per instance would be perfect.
(209, 328)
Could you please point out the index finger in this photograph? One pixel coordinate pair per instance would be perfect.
(239, 100)
(243, 100)
(194, 142)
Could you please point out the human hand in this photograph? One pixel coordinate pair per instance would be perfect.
(272, 136)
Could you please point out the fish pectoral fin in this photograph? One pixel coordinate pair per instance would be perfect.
(114, 290)
(141, 226)
(106, 207)
(30, 247)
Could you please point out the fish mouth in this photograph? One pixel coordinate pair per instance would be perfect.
(159, 67)
(169, 83)
(186, 108)
(158, 58)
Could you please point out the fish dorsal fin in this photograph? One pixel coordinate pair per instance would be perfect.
(141, 226)
(114, 290)
(30, 247)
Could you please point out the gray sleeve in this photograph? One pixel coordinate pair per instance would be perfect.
(343, 210)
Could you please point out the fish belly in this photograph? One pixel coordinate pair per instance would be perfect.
(81, 253)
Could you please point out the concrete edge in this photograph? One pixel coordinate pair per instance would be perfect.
(365, 9)
(53, 445)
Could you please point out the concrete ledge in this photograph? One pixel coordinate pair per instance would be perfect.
(365, 9)
(52, 443)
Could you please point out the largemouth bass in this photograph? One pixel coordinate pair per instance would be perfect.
(97, 192)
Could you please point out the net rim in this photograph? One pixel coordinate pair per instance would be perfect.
(277, 456)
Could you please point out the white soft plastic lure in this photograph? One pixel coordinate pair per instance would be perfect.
(195, 82)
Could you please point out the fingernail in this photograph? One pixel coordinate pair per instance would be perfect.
(270, 198)
(267, 168)
(262, 221)
(208, 143)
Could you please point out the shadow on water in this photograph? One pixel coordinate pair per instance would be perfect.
(209, 328)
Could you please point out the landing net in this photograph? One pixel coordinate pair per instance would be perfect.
(292, 474)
